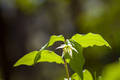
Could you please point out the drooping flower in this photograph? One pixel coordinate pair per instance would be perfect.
(67, 48)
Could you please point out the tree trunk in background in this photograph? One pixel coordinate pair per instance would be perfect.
(61, 18)
(4, 60)
(76, 11)
(12, 42)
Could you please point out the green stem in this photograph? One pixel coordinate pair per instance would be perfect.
(95, 75)
(66, 69)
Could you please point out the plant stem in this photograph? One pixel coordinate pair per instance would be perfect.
(95, 75)
(66, 69)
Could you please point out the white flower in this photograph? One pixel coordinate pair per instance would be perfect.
(67, 48)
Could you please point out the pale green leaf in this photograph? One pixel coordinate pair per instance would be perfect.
(37, 57)
(50, 56)
(44, 56)
(90, 39)
(86, 76)
(27, 59)
(75, 76)
(54, 39)
(111, 72)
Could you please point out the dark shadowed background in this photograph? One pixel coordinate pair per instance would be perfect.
(26, 25)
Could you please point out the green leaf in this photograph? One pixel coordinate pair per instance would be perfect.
(55, 38)
(86, 76)
(111, 72)
(90, 39)
(77, 61)
(44, 56)
(75, 76)
(50, 56)
(37, 57)
(27, 59)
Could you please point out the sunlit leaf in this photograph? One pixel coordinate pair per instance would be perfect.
(54, 39)
(44, 56)
(27, 59)
(86, 76)
(37, 57)
(50, 56)
(75, 76)
(111, 72)
(90, 39)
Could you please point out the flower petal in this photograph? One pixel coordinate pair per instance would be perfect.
(63, 54)
(70, 52)
(74, 49)
(62, 46)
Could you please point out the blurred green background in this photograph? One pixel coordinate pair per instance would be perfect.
(26, 25)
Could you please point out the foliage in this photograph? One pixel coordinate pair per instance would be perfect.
(86, 76)
(90, 40)
(77, 58)
(45, 56)
(72, 54)
(111, 72)
(27, 59)
(55, 38)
